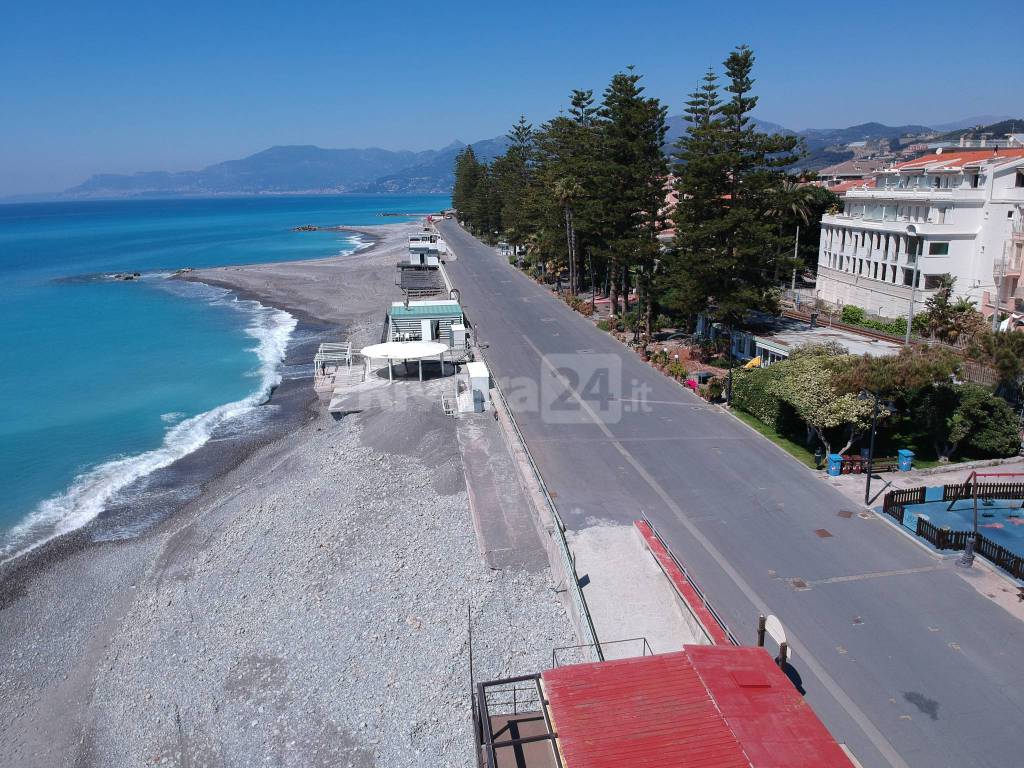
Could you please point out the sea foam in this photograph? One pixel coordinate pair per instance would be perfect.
(92, 490)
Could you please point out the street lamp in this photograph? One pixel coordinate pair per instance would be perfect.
(891, 408)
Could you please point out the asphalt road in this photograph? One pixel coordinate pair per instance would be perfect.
(902, 659)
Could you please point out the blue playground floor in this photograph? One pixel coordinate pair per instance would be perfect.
(999, 520)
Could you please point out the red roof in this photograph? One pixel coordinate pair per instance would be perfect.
(702, 707)
(845, 186)
(952, 158)
(775, 725)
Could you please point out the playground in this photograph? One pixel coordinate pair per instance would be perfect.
(991, 505)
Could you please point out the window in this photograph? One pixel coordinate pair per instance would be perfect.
(932, 282)
(975, 180)
(1019, 182)
(936, 182)
(941, 215)
(908, 277)
(938, 249)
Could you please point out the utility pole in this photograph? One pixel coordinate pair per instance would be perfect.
(871, 450)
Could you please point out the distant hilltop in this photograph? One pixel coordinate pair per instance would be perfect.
(297, 170)
(307, 169)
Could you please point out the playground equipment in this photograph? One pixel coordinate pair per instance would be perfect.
(985, 491)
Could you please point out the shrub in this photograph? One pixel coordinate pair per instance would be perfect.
(676, 370)
(604, 325)
(852, 315)
(661, 322)
(752, 391)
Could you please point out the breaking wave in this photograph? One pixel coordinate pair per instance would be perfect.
(91, 491)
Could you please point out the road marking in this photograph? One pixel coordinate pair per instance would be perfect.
(876, 575)
(876, 737)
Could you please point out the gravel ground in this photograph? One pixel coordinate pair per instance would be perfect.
(316, 615)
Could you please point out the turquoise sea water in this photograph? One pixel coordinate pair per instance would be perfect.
(106, 381)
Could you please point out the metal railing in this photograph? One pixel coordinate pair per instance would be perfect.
(578, 651)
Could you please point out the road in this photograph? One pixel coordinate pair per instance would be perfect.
(901, 658)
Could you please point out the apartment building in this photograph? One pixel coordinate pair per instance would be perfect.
(953, 211)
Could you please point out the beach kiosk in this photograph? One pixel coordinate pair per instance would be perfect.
(426, 320)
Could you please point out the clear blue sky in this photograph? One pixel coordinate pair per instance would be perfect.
(139, 85)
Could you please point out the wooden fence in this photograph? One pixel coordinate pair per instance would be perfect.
(985, 491)
(1001, 556)
(944, 538)
(894, 501)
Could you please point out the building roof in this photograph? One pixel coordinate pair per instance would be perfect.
(442, 308)
(702, 707)
(856, 167)
(845, 186)
(784, 334)
(955, 160)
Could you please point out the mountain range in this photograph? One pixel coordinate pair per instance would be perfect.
(297, 169)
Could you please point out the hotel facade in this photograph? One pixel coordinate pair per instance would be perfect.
(954, 211)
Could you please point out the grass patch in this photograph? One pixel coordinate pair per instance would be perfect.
(797, 451)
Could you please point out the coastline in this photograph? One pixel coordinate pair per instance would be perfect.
(292, 401)
(307, 607)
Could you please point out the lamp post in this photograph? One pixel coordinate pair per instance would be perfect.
(871, 449)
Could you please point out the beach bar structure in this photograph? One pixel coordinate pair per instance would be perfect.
(427, 320)
(426, 249)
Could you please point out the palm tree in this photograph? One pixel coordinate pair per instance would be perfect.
(567, 190)
(793, 202)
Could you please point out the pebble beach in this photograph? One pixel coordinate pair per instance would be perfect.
(310, 607)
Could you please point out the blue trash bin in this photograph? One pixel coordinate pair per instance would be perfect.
(835, 464)
(906, 459)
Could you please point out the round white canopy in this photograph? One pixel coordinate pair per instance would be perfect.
(404, 350)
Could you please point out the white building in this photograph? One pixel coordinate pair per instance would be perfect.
(960, 212)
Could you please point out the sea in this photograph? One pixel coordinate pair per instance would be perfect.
(105, 381)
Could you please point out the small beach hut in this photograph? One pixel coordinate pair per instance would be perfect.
(427, 320)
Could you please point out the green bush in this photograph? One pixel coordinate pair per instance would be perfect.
(852, 315)
(751, 392)
(604, 325)
(676, 370)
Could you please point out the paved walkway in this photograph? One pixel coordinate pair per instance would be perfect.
(903, 660)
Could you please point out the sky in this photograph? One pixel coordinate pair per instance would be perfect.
(133, 85)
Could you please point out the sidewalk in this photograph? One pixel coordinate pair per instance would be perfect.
(852, 486)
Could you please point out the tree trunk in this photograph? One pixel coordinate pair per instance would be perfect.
(625, 289)
(648, 313)
(613, 292)
(568, 241)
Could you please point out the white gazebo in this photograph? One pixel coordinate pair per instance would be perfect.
(393, 351)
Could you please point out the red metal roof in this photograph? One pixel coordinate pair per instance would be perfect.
(702, 707)
(640, 712)
(775, 725)
(954, 158)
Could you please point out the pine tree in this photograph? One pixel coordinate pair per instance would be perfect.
(632, 172)
(513, 175)
(467, 176)
(730, 179)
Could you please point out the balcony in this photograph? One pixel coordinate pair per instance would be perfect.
(1017, 232)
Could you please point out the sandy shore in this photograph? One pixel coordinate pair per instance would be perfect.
(306, 605)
